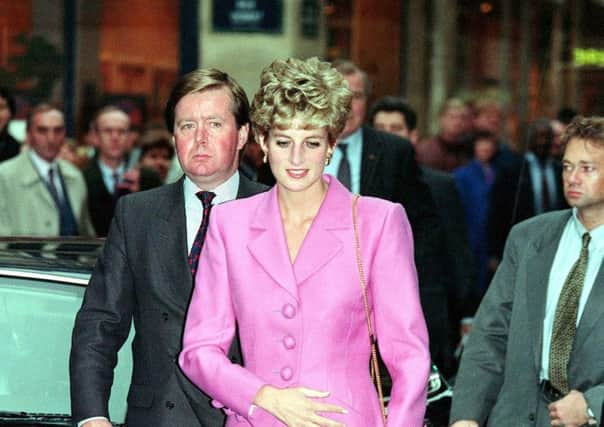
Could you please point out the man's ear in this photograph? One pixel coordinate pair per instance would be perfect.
(242, 135)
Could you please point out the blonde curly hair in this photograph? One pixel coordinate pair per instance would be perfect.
(293, 87)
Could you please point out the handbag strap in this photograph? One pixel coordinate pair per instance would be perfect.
(375, 369)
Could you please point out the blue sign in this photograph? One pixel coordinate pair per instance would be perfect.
(247, 16)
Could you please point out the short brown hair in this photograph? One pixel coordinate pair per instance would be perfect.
(203, 79)
(44, 107)
(587, 128)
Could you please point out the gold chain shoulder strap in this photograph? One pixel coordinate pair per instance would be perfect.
(375, 369)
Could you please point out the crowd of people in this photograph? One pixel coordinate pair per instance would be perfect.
(268, 322)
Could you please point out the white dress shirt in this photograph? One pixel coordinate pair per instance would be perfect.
(194, 209)
(111, 176)
(567, 254)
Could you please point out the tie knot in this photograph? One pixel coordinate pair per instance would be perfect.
(586, 239)
(206, 198)
(343, 148)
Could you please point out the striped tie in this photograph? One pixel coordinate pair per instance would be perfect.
(206, 198)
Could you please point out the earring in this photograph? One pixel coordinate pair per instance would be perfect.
(328, 159)
(265, 158)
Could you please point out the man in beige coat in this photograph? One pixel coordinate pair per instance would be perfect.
(41, 195)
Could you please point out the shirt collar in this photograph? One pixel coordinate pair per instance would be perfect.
(597, 234)
(354, 138)
(224, 192)
(106, 170)
(40, 164)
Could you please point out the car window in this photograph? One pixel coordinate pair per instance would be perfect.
(36, 320)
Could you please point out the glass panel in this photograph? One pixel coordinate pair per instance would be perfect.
(36, 320)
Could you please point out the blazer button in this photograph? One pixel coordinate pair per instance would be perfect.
(289, 342)
(169, 405)
(288, 311)
(164, 316)
(286, 373)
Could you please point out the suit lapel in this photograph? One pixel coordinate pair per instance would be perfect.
(171, 236)
(321, 244)
(268, 245)
(592, 312)
(540, 261)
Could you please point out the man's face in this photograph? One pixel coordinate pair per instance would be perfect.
(112, 129)
(359, 104)
(157, 159)
(206, 137)
(391, 122)
(46, 134)
(484, 149)
(542, 143)
(453, 123)
(583, 176)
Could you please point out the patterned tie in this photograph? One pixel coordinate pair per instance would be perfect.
(565, 320)
(206, 198)
(344, 168)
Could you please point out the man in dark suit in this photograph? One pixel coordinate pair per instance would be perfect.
(534, 357)
(394, 115)
(144, 273)
(106, 176)
(382, 165)
(528, 186)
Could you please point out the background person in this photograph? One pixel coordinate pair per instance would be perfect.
(43, 195)
(302, 325)
(9, 146)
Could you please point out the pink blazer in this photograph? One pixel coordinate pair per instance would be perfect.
(304, 324)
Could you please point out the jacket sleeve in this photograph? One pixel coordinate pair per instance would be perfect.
(399, 322)
(101, 326)
(209, 331)
(481, 371)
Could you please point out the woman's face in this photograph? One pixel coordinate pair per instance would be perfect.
(4, 113)
(297, 156)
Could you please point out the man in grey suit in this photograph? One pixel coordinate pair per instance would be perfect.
(534, 357)
(145, 272)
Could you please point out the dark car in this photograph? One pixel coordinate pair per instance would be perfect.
(42, 283)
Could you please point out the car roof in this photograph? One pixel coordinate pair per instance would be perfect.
(49, 258)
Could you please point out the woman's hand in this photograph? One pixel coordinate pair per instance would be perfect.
(297, 407)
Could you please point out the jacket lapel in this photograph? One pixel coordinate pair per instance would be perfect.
(321, 244)
(540, 262)
(31, 181)
(267, 244)
(171, 236)
(592, 312)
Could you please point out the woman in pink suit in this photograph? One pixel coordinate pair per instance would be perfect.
(281, 266)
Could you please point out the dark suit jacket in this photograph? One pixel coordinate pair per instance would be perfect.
(389, 171)
(460, 269)
(143, 275)
(101, 203)
(512, 201)
(500, 366)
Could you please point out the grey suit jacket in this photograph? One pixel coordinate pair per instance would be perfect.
(499, 373)
(143, 275)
